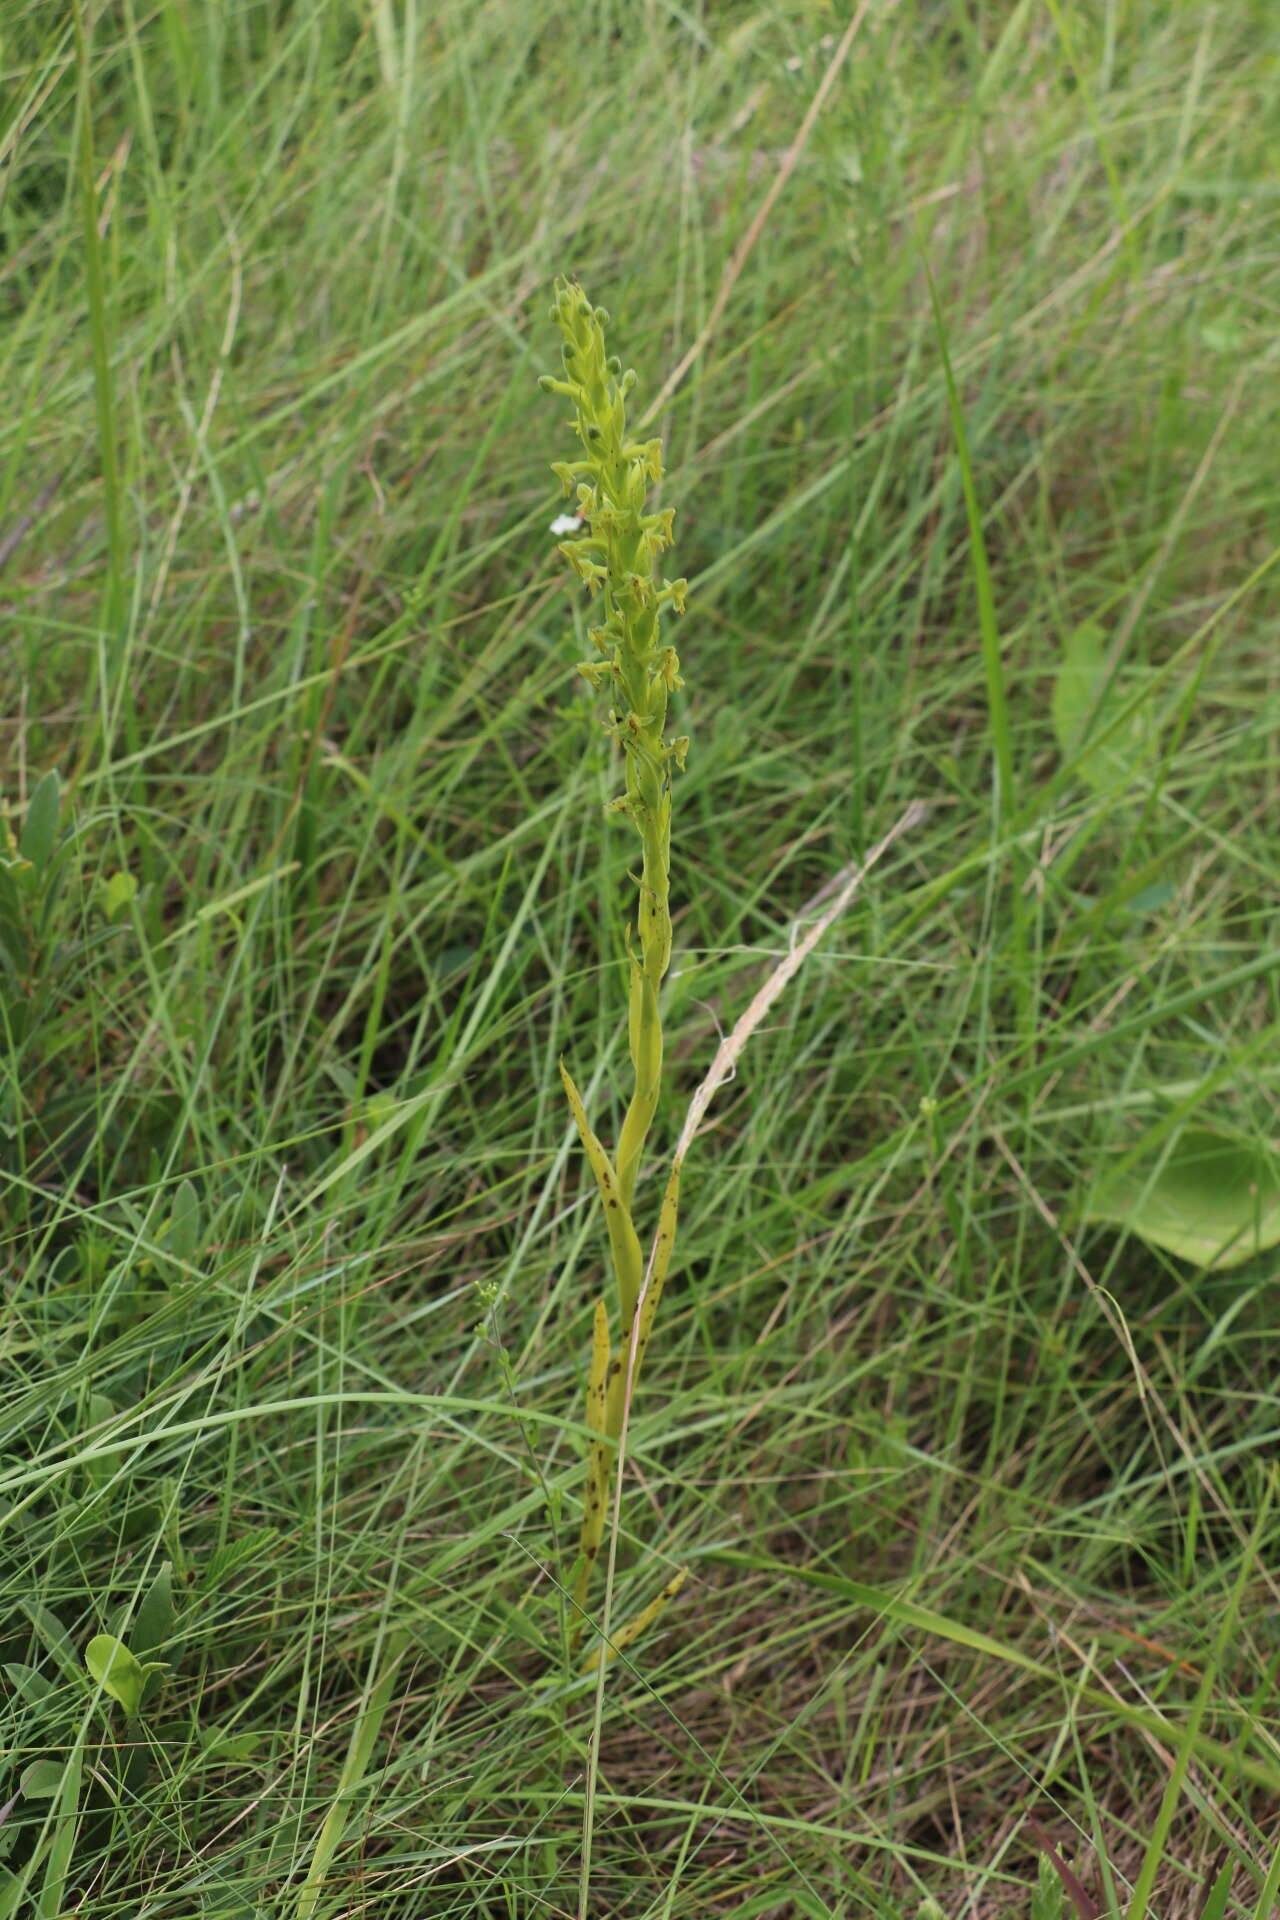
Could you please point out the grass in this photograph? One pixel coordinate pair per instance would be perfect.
(299, 1258)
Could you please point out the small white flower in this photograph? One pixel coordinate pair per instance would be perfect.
(565, 523)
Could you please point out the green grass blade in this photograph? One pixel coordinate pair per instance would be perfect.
(364, 1737)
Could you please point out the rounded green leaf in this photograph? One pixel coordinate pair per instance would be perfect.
(1209, 1199)
(1085, 705)
(233, 1749)
(113, 895)
(42, 1779)
(116, 1671)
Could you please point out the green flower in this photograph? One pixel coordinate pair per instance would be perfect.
(615, 548)
(617, 551)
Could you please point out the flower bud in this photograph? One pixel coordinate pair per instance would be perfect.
(618, 552)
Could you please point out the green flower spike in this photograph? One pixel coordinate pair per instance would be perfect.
(617, 553)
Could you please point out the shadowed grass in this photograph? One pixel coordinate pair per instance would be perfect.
(328, 737)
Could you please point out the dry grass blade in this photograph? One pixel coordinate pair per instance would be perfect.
(731, 1048)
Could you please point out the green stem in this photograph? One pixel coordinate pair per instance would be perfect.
(616, 556)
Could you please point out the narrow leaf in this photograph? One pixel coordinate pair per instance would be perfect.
(101, 1468)
(40, 828)
(66, 1830)
(1265, 1909)
(1144, 1885)
(182, 1237)
(32, 1686)
(620, 1641)
(1216, 1905)
(599, 1463)
(628, 1261)
(154, 1675)
(153, 1622)
(364, 1737)
(54, 1637)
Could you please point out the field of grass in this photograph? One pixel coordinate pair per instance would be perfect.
(975, 1491)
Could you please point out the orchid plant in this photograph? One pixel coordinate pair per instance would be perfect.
(616, 550)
